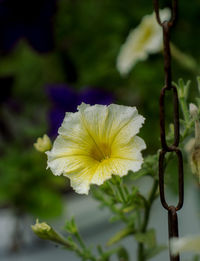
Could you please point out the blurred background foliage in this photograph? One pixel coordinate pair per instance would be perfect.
(75, 43)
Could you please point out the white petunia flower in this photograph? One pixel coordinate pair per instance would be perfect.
(144, 40)
(193, 145)
(185, 244)
(43, 144)
(96, 142)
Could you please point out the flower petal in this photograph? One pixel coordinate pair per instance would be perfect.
(67, 155)
(185, 244)
(93, 119)
(81, 179)
(131, 150)
(122, 122)
(115, 166)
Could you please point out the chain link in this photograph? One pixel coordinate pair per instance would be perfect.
(172, 210)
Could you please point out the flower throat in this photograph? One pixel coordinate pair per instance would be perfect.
(100, 152)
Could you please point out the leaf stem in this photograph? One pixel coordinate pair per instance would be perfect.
(184, 108)
(80, 240)
(121, 192)
(148, 205)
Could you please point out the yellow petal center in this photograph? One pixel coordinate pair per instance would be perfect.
(147, 33)
(100, 152)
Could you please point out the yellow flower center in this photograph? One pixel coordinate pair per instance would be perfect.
(147, 33)
(100, 152)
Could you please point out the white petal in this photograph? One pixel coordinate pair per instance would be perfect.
(126, 133)
(83, 106)
(123, 122)
(129, 53)
(81, 180)
(71, 125)
(66, 155)
(115, 166)
(57, 165)
(185, 244)
(128, 151)
(155, 41)
(189, 146)
(193, 110)
(102, 173)
(165, 14)
(121, 166)
(93, 119)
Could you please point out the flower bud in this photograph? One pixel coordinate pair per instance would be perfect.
(44, 231)
(43, 144)
(193, 110)
(193, 146)
(195, 161)
(198, 83)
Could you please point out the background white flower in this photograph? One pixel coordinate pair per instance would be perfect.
(96, 142)
(142, 41)
(185, 244)
(192, 147)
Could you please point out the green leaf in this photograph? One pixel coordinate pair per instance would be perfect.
(114, 219)
(198, 101)
(123, 254)
(71, 226)
(151, 252)
(128, 209)
(148, 238)
(118, 236)
(196, 258)
(138, 174)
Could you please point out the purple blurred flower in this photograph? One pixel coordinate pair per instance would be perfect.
(31, 19)
(66, 99)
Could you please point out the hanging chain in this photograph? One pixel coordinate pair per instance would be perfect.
(172, 210)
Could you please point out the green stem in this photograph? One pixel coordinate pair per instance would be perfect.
(85, 253)
(80, 240)
(149, 205)
(111, 186)
(121, 192)
(143, 229)
(184, 108)
(108, 254)
(187, 130)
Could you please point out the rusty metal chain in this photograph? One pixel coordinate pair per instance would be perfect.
(172, 210)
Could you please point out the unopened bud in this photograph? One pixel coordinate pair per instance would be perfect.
(193, 146)
(44, 231)
(198, 83)
(195, 161)
(193, 110)
(43, 144)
